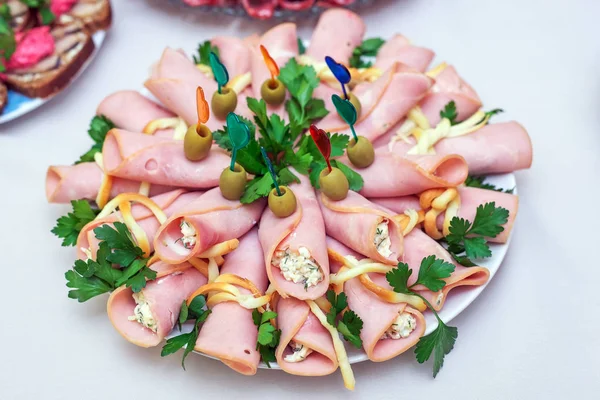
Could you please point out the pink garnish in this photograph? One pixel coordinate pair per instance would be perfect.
(32, 47)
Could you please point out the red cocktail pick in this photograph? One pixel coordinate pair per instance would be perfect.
(323, 143)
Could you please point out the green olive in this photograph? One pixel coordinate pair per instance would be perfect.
(273, 91)
(356, 103)
(284, 205)
(197, 142)
(233, 183)
(361, 153)
(334, 184)
(223, 103)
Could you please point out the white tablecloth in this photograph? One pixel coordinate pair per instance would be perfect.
(533, 333)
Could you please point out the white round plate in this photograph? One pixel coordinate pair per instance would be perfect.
(19, 104)
(457, 300)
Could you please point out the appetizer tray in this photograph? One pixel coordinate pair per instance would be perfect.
(274, 203)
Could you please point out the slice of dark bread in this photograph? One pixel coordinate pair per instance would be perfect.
(22, 17)
(3, 97)
(73, 46)
(94, 14)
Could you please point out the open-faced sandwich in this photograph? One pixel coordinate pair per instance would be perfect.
(286, 202)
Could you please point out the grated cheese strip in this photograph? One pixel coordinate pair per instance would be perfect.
(219, 260)
(340, 350)
(200, 265)
(106, 184)
(138, 233)
(439, 200)
(356, 270)
(220, 249)
(390, 296)
(409, 220)
(134, 197)
(213, 270)
(435, 71)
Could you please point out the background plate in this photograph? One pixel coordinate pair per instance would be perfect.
(19, 104)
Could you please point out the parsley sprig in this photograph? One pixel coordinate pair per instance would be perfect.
(268, 336)
(8, 44)
(432, 273)
(43, 7)
(119, 261)
(350, 324)
(203, 53)
(197, 312)
(449, 112)
(368, 48)
(467, 240)
(68, 226)
(479, 182)
(99, 127)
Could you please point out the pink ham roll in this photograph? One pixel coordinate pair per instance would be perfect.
(411, 174)
(301, 328)
(363, 226)
(164, 296)
(399, 49)
(229, 332)
(206, 221)
(418, 246)
(377, 315)
(168, 202)
(493, 149)
(282, 239)
(470, 199)
(336, 35)
(234, 53)
(160, 160)
(82, 181)
(131, 111)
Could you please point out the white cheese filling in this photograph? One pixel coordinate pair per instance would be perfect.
(142, 312)
(298, 267)
(382, 239)
(300, 352)
(402, 327)
(189, 235)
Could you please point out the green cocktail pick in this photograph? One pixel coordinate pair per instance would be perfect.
(219, 70)
(347, 111)
(271, 170)
(239, 135)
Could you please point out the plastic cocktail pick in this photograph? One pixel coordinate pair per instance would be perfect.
(347, 111)
(239, 135)
(271, 64)
(219, 70)
(271, 170)
(323, 143)
(201, 106)
(340, 72)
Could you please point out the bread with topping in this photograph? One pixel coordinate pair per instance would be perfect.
(21, 16)
(94, 14)
(73, 46)
(3, 96)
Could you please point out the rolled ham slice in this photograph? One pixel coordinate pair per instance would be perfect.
(165, 294)
(337, 34)
(493, 149)
(229, 333)
(132, 111)
(234, 53)
(418, 246)
(159, 160)
(215, 220)
(304, 228)
(399, 49)
(392, 175)
(377, 315)
(470, 199)
(168, 202)
(354, 222)
(82, 181)
(299, 324)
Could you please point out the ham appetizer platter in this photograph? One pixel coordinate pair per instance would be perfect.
(272, 205)
(53, 44)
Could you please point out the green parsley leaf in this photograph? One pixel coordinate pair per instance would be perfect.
(84, 288)
(47, 16)
(350, 327)
(479, 182)
(449, 112)
(268, 336)
(99, 127)
(432, 273)
(197, 307)
(489, 220)
(440, 342)
(203, 53)
(300, 162)
(368, 48)
(301, 47)
(118, 237)
(257, 188)
(138, 281)
(265, 334)
(355, 181)
(285, 177)
(398, 278)
(175, 343)
(248, 157)
(68, 226)
(8, 43)
(183, 313)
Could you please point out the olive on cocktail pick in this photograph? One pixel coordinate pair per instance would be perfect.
(361, 153)
(334, 184)
(355, 102)
(233, 183)
(198, 138)
(284, 204)
(224, 102)
(272, 90)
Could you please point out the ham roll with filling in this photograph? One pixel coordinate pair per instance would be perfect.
(337, 34)
(294, 247)
(305, 347)
(204, 222)
(398, 49)
(363, 226)
(229, 333)
(389, 329)
(147, 317)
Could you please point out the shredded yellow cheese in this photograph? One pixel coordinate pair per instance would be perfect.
(106, 184)
(439, 200)
(225, 288)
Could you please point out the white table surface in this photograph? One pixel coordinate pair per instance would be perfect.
(533, 333)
